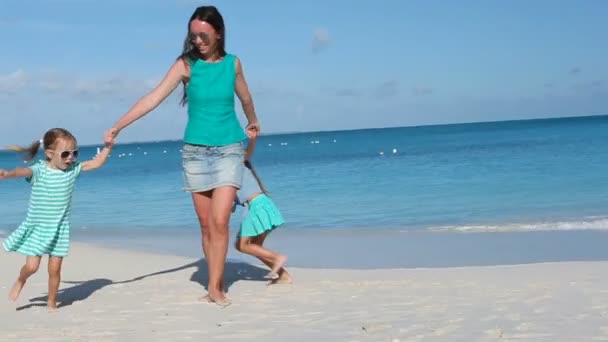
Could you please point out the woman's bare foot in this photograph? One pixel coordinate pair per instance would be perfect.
(13, 295)
(274, 273)
(220, 299)
(52, 307)
(206, 299)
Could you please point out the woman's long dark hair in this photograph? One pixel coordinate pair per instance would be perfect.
(190, 53)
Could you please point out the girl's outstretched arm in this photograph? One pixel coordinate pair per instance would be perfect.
(98, 160)
(250, 148)
(20, 172)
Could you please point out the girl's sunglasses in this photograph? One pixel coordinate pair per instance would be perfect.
(202, 35)
(66, 154)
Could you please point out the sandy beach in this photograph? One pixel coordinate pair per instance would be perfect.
(117, 295)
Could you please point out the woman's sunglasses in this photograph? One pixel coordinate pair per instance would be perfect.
(202, 35)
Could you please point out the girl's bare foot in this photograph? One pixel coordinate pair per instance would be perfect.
(284, 279)
(274, 273)
(13, 295)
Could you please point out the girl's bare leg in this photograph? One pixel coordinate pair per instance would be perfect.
(54, 280)
(284, 276)
(31, 266)
(276, 260)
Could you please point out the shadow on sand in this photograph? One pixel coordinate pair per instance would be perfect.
(81, 290)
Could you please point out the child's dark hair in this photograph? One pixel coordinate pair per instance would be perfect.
(49, 140)
(255, 175)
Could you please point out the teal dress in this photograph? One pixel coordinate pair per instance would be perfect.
(46, 229)
(261, 215)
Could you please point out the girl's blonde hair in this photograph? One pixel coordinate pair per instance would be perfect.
(49, 140)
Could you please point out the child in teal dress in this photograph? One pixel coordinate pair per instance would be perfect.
(260, 218)
(46, 229)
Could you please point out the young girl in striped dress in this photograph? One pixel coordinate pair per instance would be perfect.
(46, 229)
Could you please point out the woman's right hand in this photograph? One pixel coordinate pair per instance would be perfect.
(253, 130)
(110, 135)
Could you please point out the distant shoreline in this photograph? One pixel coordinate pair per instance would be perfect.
(3, 149)
(390, 127)
(379, 128)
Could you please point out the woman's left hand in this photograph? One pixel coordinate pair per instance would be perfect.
(253, 130)
(110, 135)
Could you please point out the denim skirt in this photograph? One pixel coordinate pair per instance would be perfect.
(210, 167)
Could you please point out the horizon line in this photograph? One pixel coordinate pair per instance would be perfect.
(383, 127)
(3, 149)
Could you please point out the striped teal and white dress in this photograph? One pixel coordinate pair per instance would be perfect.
(46, 229)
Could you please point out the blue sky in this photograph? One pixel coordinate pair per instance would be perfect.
(311, 65)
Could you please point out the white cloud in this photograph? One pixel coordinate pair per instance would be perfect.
(320, 40)
(420, 90)
(54, 83)
(13, 82)
(6, 21)
(388, 88)
(34, 100)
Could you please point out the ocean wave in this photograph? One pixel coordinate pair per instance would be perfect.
(588, 223)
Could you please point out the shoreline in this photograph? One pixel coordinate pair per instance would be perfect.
(386, 249)
(373, 249)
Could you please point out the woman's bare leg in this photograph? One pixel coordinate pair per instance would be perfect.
(221, 208)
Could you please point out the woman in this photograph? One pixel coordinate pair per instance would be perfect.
(213, 151)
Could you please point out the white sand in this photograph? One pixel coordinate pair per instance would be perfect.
(540, 302)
